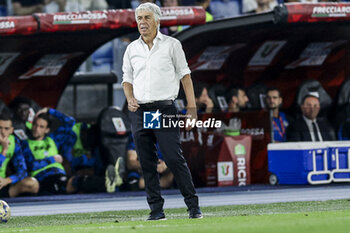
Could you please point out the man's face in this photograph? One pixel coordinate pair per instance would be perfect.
(40, 128)
(22, 112)
(311, 107)
(204, 96)
(146, 23)
(6, 128)
(273, 99)
(242, 99)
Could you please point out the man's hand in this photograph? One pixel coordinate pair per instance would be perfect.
(58, 158)
(133, 105)
(4, 142)
(191, 115)
(43, 110)
(4, 182)
(209, 105)
(161, 167)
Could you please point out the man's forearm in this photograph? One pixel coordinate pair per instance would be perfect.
(189, 92)
(128, 90)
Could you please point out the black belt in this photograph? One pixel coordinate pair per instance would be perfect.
(157, 103)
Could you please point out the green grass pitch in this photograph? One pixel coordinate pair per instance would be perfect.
(293, 217)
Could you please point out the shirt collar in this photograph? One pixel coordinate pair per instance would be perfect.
(159, 36)
(308, 120)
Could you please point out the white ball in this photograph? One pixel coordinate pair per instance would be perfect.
(5, 212)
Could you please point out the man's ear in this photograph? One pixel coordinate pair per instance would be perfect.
(47, 131)
(234, 99)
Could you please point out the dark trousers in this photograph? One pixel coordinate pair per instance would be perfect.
(169, 144)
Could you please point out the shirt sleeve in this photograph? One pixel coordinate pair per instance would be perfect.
(127, 67)
(66, 120)
(32, 163)
(63, 135)
(19, 164)
(179, 60)
(65, 139)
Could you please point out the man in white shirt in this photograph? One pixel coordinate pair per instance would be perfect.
(153, 67)
(309, 127)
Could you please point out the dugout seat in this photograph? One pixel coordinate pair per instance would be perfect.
(113, 134)
(217, 95)
(256, 95)
(313, 86)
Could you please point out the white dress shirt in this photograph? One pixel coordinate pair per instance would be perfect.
(155, 74)
(311, 129)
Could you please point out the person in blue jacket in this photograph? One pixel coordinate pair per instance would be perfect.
(11, 156)
(41, 151)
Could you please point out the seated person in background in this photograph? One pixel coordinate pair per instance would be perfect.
(203, 101)
(11, 154)
(309, 127)
(173, 29)
(53, 6)
(135, 178)
(208, 17)
(79, 143)
(62, 135)
(236, 99)
(205, 4)
(279, 119)
(259, 6)
(28, 7)
(21, 109)
(41, 153)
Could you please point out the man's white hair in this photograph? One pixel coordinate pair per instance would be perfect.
(148, 6)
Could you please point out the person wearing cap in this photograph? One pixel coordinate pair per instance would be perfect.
(153, 67)
(309, 127)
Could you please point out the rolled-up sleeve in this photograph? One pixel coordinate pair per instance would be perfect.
(127, 67)
(179, 59)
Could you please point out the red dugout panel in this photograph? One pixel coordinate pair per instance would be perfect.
(313, 12)
(114, 19)
(18, 25)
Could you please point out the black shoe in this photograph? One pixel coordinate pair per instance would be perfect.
(156, 217)
(195, 213)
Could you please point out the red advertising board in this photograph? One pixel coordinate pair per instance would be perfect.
(18, 25)
(204, 149)
(227, 160)
(93, 20)
(318, 12)
(114, 19)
